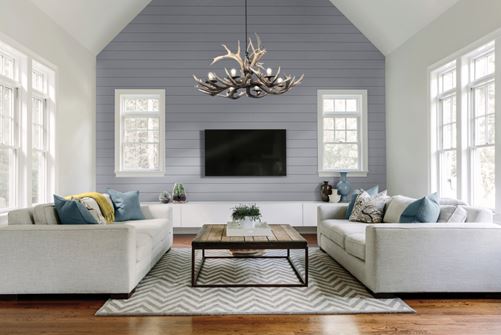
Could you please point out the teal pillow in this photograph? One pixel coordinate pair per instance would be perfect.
(371, 191)
(127, 206)
(72, 212)
(424, 210)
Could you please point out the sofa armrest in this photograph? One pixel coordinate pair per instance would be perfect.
(445, 257)
(331, 211)
(156, 211)
(67, 259)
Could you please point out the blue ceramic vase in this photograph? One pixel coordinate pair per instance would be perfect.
(343, 187)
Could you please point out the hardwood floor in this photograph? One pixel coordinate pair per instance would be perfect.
(75, 315)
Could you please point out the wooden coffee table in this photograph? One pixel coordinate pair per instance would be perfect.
(213, 237)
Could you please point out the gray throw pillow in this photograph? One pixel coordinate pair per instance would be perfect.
(369, 209)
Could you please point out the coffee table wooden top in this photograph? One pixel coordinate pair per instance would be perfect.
(213, 236)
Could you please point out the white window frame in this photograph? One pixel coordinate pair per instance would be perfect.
(463, 91)
(119, 117)
(25, 61)
(48, 99)
(361, 114)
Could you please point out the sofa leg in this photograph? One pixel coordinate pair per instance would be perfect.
(122, 295)
(383, 295)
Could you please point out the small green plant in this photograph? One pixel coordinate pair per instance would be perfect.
(241, 212)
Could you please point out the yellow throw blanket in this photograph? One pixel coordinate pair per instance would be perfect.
(106, 209)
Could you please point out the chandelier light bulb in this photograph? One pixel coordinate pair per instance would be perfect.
(269, 72)
(233, 72)
(280, 80)
(211, 76)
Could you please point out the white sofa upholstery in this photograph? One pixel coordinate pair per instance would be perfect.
(101, 259)
(415, 258)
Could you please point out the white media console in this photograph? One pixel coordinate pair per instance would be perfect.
(196, 214)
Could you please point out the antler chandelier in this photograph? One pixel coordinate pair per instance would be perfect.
(252, 79)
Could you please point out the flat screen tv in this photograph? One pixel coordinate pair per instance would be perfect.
(245, 152)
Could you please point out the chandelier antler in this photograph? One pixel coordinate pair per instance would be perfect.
(252, 79)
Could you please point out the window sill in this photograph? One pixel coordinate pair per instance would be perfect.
(336, 174)
(131, 174)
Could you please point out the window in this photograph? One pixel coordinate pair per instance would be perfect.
(463, 118)
(447, 131)
(40, 140)
(482, 117)
(139, 132)
(342, 132)
(8, 145)
(26, 130)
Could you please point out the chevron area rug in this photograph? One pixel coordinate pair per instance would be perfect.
(166, 289)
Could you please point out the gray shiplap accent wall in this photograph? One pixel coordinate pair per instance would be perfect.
(172, 39)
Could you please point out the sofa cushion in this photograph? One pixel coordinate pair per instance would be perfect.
(21, 216)
(371, 191)
(369, 209)
(45, 214)
(354, 244)
(454, 214)
(425, 210)
(396, 207)
(156, 229)
(337, 230)
(72, 212)
(126, 204)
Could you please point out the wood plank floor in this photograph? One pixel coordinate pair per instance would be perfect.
(75, 315)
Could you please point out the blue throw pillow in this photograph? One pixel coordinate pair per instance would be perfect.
(127, 206)
(72, 212)
(424, 210)
(371, 191)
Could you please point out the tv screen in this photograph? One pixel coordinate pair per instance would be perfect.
(245, 152)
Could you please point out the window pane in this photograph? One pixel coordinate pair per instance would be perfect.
(340, 136)
(340, 105)
(328, 105)
(143, 123)
(351, 105)
(351, 123)
(141, 156)
(448, 174)
(6, 164)
(491, 98)
(447, 134)
(341, 156)
(340, 123)
(491, 130)
(141, 104)
(7, 115)
(448, 80)
(484, 177)
(8, 67)
(328, 136)
(483, 66)
(352, 136)
(38, 168)
(142, 136)
(328, 123)
(480, 99)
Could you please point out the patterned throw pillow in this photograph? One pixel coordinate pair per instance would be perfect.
(369, 209)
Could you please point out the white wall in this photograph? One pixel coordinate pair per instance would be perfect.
(406, 94)
(75, 96)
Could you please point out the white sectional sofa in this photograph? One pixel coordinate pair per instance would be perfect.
(101, 259)
(415, 258)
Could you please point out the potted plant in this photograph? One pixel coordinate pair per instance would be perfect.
(246, 215)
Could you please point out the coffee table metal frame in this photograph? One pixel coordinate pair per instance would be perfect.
(258, 245)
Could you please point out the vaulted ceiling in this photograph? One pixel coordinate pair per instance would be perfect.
(386, 23)
(390, 23)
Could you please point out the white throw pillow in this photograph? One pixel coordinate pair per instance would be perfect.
(396, 207)
(369, 209)
(94, 209)
(455, 214)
